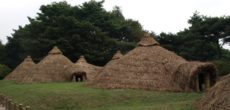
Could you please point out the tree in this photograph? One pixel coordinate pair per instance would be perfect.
(87, 30)
(3, 53)
(211, 29)
(201, 41)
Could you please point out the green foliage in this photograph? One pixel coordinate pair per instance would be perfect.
(71, 96)
(201, 41)
(224, 63)
(4, 71)
(223, 66)
(87, 30)
(3, 53)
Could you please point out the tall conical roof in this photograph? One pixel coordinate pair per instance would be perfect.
(55, 50)
(53, 68)
(21, 70)
(147, 40)
(117, 55)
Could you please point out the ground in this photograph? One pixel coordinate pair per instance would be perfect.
(77, 96)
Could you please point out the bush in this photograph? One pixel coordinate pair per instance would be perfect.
(4, 71)
(223, 67)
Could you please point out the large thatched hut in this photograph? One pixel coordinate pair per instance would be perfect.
(150, 66)
(82, 70)
(21, 70)
(218, 97)
(53, 68)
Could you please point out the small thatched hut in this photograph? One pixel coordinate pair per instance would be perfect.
(218, 97)
(53, 68)
(150, 66)
(21, 70)
(82, 70)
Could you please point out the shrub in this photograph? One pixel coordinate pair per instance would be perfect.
(223, 67)
(4, 71)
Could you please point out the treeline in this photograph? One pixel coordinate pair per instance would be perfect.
(90, 30)
(203, 40)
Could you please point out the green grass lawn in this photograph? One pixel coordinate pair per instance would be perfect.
(77, 96)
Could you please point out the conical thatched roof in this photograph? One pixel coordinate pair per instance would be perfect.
(21, 70)
(218, 97)
(83, 66)
(117, 55)
(148, 66)
(55, 50)
(147, 41)
(53, 68)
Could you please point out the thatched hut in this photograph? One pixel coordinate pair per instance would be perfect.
(218, 97)
(150, 66)
(53, 68)
(21, 70)
(82, 70)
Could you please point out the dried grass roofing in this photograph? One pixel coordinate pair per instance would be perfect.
(146, 40)
(218, 97)
(52, 68)
(148, 66)
(21, 70)
(117, 55)
(83, 66)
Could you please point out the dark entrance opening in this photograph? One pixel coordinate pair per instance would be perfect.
(203, 82)
(79, 76)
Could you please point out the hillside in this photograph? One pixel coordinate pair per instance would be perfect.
(76, 96)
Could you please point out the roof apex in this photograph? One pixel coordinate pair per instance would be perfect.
(117, 55)
(81, 59)
(55, 50)
(147, 40)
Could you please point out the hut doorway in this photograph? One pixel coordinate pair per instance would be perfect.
(203, 82)
(79, 76)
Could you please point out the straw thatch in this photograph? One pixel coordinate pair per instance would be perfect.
(218, 97)
(53, 68)
(82, 67)
(115, 57)
(191, 75)
(148, 66)
(21, 70)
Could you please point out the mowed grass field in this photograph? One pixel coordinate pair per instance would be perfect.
(77, 96)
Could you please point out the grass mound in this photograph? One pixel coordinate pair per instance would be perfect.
(76, 96)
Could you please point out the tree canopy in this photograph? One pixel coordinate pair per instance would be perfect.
(90, 30)
(203, 40)
(87, 29)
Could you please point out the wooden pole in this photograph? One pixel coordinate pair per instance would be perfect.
(10, 104)
(27, 107)
(20, 107)
(7, 104)
(1, 99)
(15, 106)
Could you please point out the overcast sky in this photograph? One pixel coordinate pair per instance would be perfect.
(154, 15)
